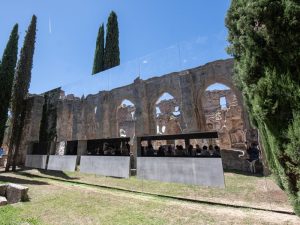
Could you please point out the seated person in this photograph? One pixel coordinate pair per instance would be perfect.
(210, 149)
(170, 151)
(161, 151)
(178, 151)
(190, 150)
(198, 150)
(150, 150)
(205, 151)
(216, 152)
(106, 149)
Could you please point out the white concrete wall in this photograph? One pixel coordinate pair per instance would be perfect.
(197, 171)
(113, 166)
(36, 161)
(62, 162)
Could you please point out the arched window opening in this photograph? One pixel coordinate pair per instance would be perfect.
(126, 119)
(168, 115)
(224, 114)
(223, 102)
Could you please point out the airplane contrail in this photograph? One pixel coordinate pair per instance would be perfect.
(50, 28)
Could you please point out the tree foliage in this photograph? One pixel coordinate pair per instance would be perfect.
(7, 71)
(112, 51)
(99, 52)
(264, 38)
(20, 92)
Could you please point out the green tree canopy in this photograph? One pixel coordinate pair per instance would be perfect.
(20, 91)
(264, 38)
(7, 71)
(112, 51)
(99, 52)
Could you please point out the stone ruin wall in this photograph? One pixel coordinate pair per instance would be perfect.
(96, 116)
(228, 121)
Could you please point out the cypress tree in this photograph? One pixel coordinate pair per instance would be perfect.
(264, 38)
(7, 71)
(99, 52)
(20, 92)
(112, 51)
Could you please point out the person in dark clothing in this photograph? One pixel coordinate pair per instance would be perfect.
(253, 153)
(150, 150)
(205, 151)
(161, 151)
(190, 150)
(169, 150)
(216, 152)
(198, 150)
(128, 147)
(210, 149)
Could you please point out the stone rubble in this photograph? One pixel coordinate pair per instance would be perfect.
(13, 193)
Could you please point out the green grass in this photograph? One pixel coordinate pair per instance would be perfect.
(241, 189)
(53, 200)
(11, 215)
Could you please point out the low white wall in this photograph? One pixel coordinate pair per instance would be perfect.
(197, 171)
(36, 161)
(113, 166)
(62, 162)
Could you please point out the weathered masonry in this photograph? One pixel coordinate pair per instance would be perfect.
(55, 118)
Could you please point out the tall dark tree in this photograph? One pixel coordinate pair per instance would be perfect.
(112, 50)
(265, 42)
(99, 52)
(20, 92)
(7, 71)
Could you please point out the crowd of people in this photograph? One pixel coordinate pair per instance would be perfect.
(180, 151)
(110, 149)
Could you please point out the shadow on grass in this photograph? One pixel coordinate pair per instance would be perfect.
(52, 173)
(59, 174)
(16, 180)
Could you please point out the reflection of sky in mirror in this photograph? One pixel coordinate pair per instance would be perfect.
(66, 39)
(185, 55)
(165, 96)
(127, 103)
(223, 102)
(217, 86)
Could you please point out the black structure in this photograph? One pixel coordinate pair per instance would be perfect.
(109, 146)
(39, 148)
(72, 147)
(162, 151)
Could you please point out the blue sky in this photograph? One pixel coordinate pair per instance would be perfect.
(65, 49)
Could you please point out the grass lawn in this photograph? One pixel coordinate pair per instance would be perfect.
(65, 198)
